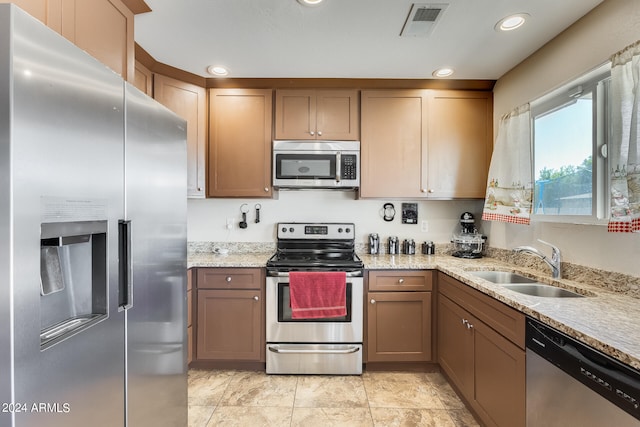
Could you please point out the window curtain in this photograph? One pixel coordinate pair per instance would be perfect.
(624, 147)
(509, 187)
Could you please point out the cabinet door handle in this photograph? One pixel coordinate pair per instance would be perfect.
(372, 301)
(256, 297)
(469, 325)
(465, 322)
(401, 280)
(266, 189)
(312, 133)
(319, 133)
(228, 279)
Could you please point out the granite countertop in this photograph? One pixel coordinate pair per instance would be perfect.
(604, 319)
(232, 259)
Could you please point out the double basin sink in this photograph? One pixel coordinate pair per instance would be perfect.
(524, 285)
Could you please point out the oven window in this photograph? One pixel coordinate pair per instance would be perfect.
(284, 307)
(304, 166)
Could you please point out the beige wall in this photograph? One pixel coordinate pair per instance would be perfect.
(587, 44)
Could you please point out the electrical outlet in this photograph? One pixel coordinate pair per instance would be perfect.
(424, 226)
(229, 223)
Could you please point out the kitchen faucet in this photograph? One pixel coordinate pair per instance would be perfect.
(555, 263)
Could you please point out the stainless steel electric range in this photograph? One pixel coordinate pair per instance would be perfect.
(330, 345)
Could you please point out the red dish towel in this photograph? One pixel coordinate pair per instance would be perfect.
(317, 295)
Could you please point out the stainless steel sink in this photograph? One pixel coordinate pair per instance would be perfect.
(541, 290)
(502, 277)
(524, 285)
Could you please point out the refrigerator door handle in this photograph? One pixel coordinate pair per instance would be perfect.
(125, 276)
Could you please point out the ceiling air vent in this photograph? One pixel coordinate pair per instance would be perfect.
(421, 19)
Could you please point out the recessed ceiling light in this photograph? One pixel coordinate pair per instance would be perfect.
(310, 3)
(511, 22)
(217, 70)
(442, 72)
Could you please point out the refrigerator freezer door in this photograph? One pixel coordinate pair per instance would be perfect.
(65, 123)
(6, 272)
(156, 206)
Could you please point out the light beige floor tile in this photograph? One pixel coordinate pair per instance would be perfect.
(445, 392)
(396, 417)
(199, 415)
(331, 417)
(244, 416)
(463, 418)
(330, 392)
(400, 390)
(259, 389)
(207, 387)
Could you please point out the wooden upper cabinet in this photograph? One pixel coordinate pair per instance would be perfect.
(143, 79)
(239, 159)
(392, 138)
(460, 133)
(309, 114)
(189, 102)
(103, 28)
(425, 143)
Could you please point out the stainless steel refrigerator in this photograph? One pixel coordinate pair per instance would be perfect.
(92, 241)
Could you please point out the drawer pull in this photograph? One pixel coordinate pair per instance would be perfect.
(401, 280)
(228, 279)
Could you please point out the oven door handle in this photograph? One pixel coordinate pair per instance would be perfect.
(276, 349)
(286, 274)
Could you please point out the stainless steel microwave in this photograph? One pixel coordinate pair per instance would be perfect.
(316, 164)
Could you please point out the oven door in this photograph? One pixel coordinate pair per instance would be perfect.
(281, 328)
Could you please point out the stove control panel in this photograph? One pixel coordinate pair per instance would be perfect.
(315, 231)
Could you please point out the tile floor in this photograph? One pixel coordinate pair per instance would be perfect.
(247, 398)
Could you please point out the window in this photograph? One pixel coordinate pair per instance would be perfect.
(569, 151)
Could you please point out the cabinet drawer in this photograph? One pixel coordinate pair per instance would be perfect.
(229, 278)
(400, 280)
(503, 319)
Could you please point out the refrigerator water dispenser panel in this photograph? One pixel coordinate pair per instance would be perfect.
(73, 278)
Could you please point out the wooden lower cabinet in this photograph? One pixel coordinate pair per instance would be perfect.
(455, 345)
(230, 315)
(487, 368)
(399, 327)
(229, 324)
(399, 316)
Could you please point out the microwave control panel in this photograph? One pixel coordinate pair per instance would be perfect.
(349, 166)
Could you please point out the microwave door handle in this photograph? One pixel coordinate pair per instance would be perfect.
(338, 165)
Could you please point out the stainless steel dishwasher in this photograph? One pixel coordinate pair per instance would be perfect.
(572, 384)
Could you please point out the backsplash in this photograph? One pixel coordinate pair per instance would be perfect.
(231, 247)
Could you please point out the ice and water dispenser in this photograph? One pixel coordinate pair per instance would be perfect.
(73, 278)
